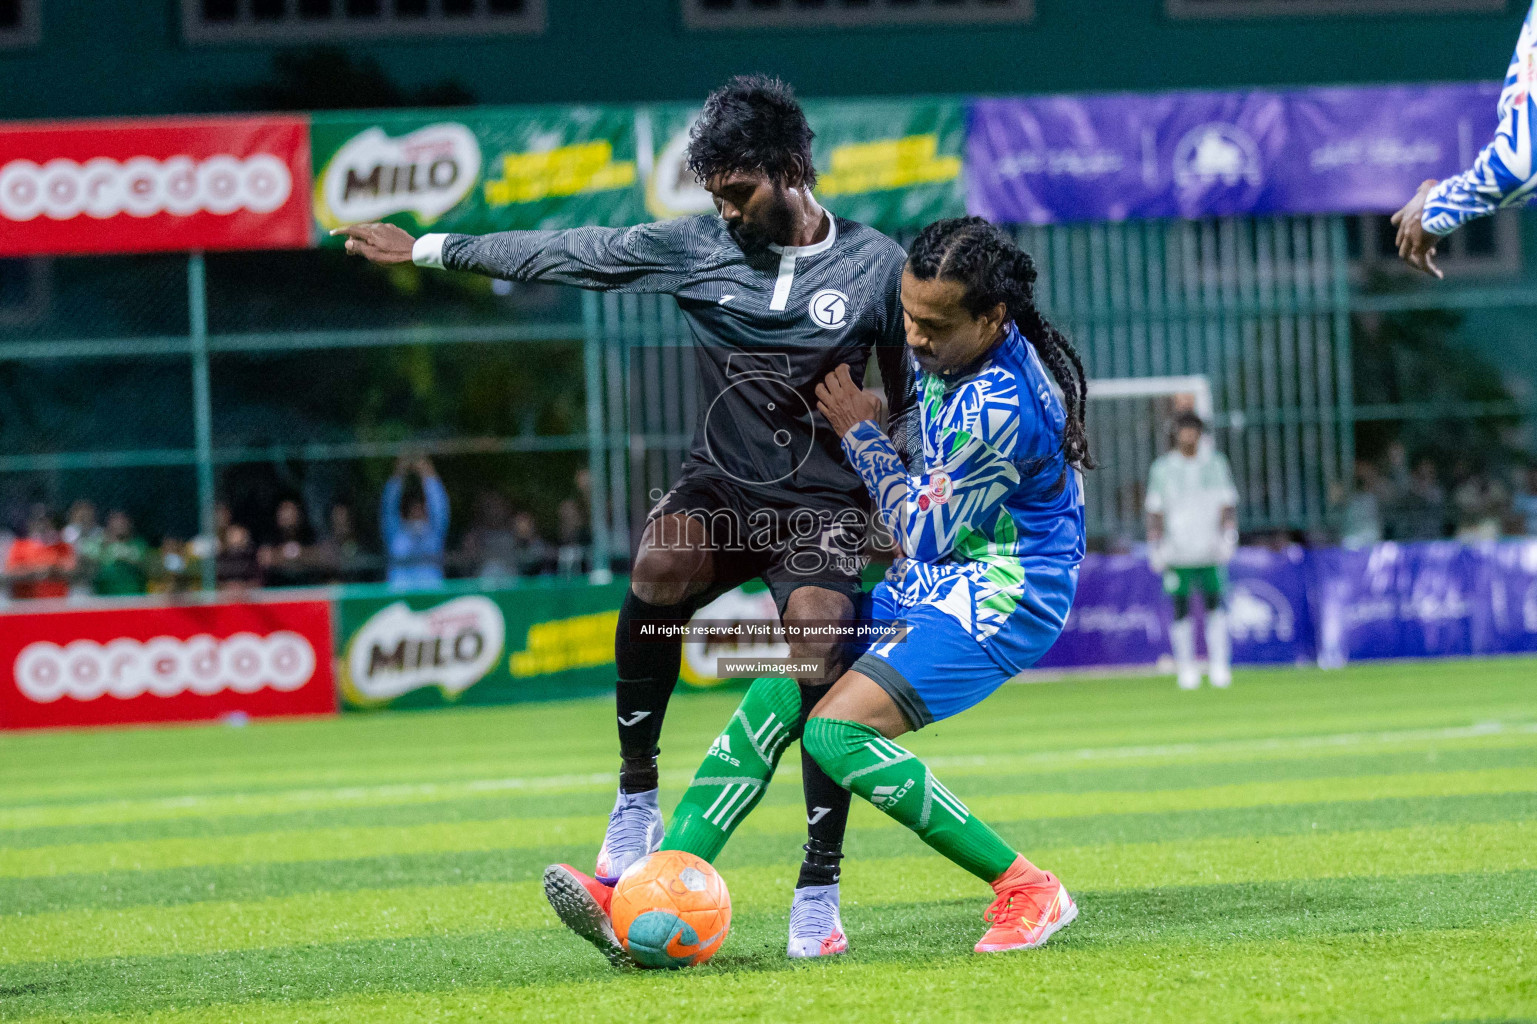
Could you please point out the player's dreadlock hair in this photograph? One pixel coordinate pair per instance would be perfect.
(993, 269)
(753, 123)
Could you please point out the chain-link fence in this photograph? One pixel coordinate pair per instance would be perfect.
(193, 393)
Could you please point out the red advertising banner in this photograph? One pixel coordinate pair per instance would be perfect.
(176, 664)
(155, 185)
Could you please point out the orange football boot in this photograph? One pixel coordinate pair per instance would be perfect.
(1032, 906)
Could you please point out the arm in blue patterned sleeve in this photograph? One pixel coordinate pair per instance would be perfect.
(930, 512)
(1503, 174)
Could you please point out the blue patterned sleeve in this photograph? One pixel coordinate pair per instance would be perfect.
(1503, 174)
(960, 491)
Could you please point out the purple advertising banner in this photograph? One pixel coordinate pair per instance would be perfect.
(1507, 621)
(1056, 159)
(1328, 606)
(1120, 616)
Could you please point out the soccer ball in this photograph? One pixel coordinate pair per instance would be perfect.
(671, 909)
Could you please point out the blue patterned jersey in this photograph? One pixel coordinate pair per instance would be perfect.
(1503, 174)
(992, 528)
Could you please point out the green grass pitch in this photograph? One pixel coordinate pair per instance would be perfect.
(1358, 845)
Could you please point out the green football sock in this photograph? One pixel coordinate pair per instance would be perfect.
(862, 760)
(737, 769)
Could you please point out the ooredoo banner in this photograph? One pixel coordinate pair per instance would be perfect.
(176, 664)
(155, 185)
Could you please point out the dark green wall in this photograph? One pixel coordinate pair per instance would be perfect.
(104, 57)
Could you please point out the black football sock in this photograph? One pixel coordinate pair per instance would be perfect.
(648, 671)
(827, 810)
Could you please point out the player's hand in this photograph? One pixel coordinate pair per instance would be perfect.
(379, 243)
(1416, 245)
(1157, 560)
(845, 403)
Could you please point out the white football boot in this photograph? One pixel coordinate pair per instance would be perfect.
(635, 829)
(815, 928)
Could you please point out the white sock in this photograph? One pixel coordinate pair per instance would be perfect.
(1182, 639)
(1219, 648)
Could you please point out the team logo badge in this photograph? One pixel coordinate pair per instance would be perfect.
(829, 308)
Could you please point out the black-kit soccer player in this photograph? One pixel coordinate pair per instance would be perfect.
(777, 292)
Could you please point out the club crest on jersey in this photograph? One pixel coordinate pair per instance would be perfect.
(937, 492)
(829, 308)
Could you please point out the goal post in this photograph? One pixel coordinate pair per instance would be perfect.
(1129, 420)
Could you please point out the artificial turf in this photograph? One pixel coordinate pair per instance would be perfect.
(1358, 845)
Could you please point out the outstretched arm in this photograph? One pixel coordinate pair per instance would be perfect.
(389, 507)
(646, 258)
(1502, 175)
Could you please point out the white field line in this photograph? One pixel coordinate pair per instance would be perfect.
(265, 801)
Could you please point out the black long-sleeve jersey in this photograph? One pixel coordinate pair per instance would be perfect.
(770, 325)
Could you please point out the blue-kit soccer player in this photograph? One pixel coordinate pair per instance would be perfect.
(991, 533)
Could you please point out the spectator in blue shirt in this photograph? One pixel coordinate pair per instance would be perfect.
(414, 536)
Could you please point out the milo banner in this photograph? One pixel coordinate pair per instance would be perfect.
(491, 647)
(476, 171)
(893, 164)
(539, 642)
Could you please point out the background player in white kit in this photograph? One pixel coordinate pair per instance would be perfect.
(1192, 533)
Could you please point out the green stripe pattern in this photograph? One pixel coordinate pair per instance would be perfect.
(1350, 845)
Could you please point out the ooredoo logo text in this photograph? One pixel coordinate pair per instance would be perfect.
(143, 187)
(164, 667)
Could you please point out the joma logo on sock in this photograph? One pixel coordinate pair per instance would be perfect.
(887, 796)
(721, 748)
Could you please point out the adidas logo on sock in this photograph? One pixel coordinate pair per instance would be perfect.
(886, 797)
(721, 748)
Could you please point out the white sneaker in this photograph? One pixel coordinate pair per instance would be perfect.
(1221, 679)
(635, 829)
(815, 928)
(1190, 680)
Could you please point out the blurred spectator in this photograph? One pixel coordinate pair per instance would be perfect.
(535, 556)
(174, 568)
(490, 548)
(338, 556)
(414, 526)
(1481, 501)
(1361, 515)
(81, 526)
(83, 533)
(1523, 504)
(1396, 475)
(41, 563)
(236, 565)
(575, 537)
(1419, 513)
(287, 561)
(122, 561)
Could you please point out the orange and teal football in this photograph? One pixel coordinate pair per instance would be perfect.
(671, 909)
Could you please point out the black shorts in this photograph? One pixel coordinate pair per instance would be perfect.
(775, 535)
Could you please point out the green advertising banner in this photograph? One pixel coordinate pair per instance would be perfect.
(477, 171)
(545, 641)
(492, 647)
(892, 164)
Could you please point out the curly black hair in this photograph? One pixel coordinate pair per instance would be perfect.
(753, 123)
(985, 260)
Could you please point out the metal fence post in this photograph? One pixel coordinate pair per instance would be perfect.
(597, 437)
(202, 408)
(1339, 257)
